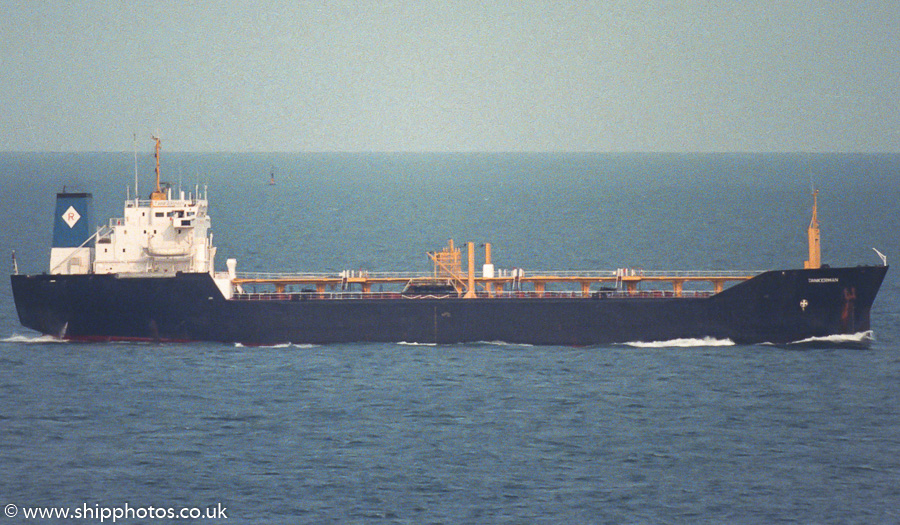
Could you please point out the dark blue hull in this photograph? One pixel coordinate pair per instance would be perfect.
(774, 307)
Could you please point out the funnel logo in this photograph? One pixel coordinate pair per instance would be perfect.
(71, 216)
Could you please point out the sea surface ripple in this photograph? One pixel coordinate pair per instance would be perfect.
(686, 432)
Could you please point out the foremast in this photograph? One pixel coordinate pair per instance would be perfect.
(815, 249)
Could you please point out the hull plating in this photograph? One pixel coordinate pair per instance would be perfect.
(774, 307)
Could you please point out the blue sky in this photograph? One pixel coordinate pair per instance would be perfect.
(451, 76)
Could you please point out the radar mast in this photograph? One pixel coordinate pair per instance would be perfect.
(158, 194)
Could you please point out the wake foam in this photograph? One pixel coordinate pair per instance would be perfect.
(502, 343)
(278, 345)
(32, 339)
(476, 343)
(859, 338)
(681, 343)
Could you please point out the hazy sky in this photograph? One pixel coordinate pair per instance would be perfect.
(433, 75)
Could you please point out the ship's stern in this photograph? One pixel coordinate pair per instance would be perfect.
(35, 305)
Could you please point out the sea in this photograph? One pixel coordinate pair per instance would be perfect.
(691, 431)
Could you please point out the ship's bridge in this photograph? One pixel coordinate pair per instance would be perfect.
(165, 234)
(157, 236)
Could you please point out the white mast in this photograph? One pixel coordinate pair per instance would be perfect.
(134, 147)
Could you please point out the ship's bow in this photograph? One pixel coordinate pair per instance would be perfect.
(794, 305)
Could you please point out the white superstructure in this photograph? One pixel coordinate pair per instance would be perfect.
(156, 237)
(161, 235)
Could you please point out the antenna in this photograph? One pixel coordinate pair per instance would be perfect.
(814, 222)
(134, 148)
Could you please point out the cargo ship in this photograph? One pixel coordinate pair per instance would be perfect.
(150, 276)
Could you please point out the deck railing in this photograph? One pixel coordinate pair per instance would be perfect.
(503, 274)
(273, 276)
(331, 296)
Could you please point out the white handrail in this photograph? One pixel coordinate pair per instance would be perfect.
(529, 274)
(507, 294)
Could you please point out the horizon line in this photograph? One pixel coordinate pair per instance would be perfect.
(463, 152)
